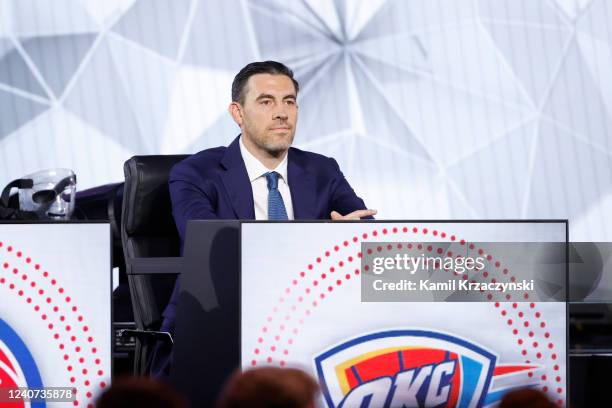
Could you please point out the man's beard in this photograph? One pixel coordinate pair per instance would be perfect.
(274, 149)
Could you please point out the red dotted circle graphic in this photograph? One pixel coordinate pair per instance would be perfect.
(27, 273)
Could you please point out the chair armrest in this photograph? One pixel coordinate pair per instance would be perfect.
(147, 336)
(150, 266)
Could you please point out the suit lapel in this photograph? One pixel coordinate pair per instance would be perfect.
(237, 183)
(303, 189)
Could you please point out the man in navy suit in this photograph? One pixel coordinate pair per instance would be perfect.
(259, 175)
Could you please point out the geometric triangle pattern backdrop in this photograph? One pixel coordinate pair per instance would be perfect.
(433, 108)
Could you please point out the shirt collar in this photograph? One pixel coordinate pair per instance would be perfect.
(256, 169)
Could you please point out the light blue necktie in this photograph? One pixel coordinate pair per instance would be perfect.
(276, 206)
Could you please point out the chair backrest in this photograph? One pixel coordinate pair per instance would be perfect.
(148, 231)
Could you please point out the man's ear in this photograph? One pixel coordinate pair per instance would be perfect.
(236, 111)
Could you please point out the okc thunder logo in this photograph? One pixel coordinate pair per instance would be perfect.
(412, 368)
(17, 367)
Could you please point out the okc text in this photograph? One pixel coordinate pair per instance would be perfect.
(425, 386)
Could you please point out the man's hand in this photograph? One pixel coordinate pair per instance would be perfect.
(355, 215)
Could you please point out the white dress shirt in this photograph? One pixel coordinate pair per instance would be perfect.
(256, 171)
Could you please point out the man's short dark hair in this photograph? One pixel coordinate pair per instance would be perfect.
(263, 67)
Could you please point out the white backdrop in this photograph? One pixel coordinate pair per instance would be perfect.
(433, 108)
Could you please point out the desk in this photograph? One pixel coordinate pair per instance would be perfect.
(285, 294)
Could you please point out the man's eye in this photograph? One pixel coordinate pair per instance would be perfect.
(290, 102)
(265, 102)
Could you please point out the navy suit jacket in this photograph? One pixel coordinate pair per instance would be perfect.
(214, 184)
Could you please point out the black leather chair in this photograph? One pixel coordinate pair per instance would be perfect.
(151, 248)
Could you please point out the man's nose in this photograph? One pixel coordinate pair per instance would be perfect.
(280, 113)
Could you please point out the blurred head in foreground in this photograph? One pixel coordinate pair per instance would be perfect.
(270, 387)
(139, 392)
(526, 398)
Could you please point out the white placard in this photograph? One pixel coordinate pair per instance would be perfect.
(55, 308)
(301, 306)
